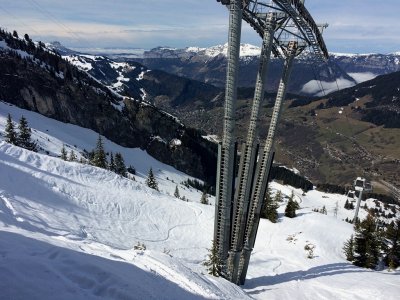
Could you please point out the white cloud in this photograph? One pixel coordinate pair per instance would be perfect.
(361, 77)
(355, 25)
(322, 88)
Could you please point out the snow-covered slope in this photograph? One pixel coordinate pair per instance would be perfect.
(69, 229)
(115, 75)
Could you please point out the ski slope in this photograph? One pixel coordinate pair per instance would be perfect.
(68, 231)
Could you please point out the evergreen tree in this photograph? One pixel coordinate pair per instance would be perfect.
(392, 250)
(176, 193)
(204, 198)
(99, 159)
(323, 211)
(346, 205)
(10, 134)
(270, 207)
(72, 156)
(24, 136)
(292, 205)
(111, 165)
(120, 167)
(278, 197)
(64, 153)
(336, 210)
(151, 180)
(15, 34)
(366, 244)
(213, 263)
(132, 170)
(348, 249)
(90, 156)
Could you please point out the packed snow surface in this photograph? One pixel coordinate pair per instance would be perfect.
(69, 229)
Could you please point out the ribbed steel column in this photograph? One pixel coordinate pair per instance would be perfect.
(222, 225)
(262, 172)
(246, 167)
(358, 206)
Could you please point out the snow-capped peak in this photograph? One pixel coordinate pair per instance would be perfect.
(245, 50)
(352, 55)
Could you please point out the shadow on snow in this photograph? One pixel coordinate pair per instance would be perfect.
(315, 272)
(32, 269)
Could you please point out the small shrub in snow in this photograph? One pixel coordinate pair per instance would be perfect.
(204, 198)
(72, 156)
(139, 246)
(310, 250)
(321, 211)
(349, 205)
(132, 170)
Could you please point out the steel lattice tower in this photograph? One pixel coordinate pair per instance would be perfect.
(227, 150)
(286, 28)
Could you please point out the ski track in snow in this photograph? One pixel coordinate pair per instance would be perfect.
(72, 228)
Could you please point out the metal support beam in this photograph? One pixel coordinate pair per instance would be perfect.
(262, 172)
(247, 159)
(358, 205)
(226, 158)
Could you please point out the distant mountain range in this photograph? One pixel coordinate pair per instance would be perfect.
(323, 138)
(38, 78)
(208, 65)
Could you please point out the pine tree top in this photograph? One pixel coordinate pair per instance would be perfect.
(10, 134)
(151, 180)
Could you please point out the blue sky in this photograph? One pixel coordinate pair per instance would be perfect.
(357, 26)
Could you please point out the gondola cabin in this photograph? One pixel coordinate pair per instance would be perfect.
(351, 196)
(362, 184)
